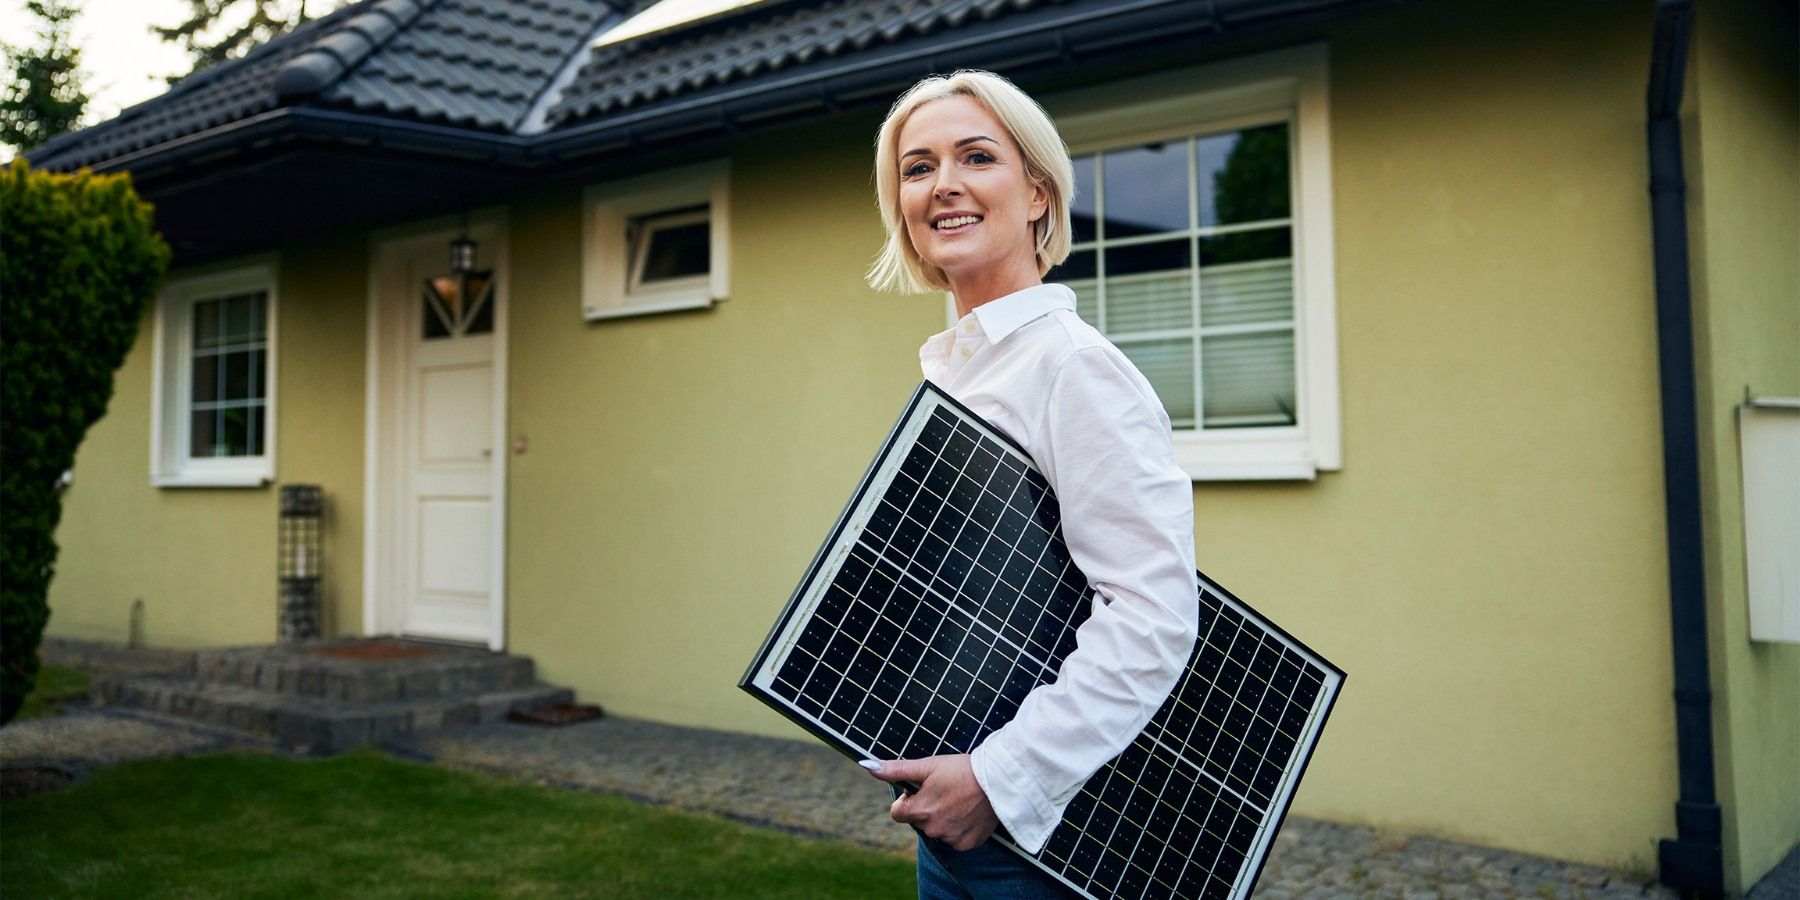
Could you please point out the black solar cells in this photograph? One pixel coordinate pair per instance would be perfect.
(945, 594)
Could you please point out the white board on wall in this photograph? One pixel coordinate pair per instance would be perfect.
(1769, 441)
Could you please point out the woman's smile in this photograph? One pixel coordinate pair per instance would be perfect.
(955, 224)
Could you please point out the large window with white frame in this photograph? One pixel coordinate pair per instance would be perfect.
(213, 393)
(656, 243)
(1203, 251)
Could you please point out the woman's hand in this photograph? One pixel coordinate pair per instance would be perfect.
(949, 804)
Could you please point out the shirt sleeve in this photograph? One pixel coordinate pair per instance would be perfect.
(1128, 519)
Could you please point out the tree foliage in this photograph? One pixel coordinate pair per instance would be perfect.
(208, 38)
(79, 259)
(46, 96)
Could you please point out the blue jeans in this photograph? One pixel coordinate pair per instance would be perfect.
(988, 872)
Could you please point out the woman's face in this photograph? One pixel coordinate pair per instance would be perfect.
(963, 192)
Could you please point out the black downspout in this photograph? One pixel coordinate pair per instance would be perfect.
(1693, 862)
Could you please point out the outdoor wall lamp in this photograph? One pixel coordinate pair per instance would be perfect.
(460, 303)
(462, 255)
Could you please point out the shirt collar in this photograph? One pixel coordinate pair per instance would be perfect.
(1004, 315)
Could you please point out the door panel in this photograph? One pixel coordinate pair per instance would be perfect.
(447, 545)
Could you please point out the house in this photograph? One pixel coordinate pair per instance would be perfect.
(1394, 267)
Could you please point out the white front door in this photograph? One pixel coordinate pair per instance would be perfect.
(443, 527)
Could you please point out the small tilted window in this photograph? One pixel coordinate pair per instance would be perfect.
(670, 250)
(656, 243)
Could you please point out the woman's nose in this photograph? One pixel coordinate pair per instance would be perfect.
(949, 183)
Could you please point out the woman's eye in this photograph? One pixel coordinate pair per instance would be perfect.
(915, 170)
(980, 157)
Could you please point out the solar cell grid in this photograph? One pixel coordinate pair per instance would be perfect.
(945, 594)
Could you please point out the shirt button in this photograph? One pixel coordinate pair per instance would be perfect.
(967, 352)
(969, 326)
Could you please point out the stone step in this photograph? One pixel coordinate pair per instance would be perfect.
(408, 670)
(316, 725)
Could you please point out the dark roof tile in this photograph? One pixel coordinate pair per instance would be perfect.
(228, 91)
(687, 59)
(476, 63)
(481, 64)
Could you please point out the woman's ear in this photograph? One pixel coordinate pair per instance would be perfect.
(1040, 201)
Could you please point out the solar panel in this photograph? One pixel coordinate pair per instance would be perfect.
(945, 593)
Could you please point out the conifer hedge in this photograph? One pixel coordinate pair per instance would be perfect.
(78, 260)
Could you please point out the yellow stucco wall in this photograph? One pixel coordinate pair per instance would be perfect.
(1488, 565)
(1742, 132)
(683, 467)
(203, 559)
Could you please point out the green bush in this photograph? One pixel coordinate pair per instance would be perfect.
(78, 260)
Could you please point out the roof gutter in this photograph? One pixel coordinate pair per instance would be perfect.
(305, 123)
(1693, 861)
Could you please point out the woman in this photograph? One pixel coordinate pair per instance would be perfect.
(974, 186)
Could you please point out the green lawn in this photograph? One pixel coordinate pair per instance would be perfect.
(53, 683)
(367, 825)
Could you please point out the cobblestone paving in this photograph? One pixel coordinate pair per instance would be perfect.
(810, 790)
(813, 790)
(84, 738)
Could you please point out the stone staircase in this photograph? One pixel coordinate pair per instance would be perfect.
(324, 697)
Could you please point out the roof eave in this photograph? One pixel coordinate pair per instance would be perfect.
(1065, 37)
(327, 125)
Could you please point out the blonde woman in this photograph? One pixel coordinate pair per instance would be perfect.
(974, 186)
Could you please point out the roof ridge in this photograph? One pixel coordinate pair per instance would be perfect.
(331, 57)
(535, 117)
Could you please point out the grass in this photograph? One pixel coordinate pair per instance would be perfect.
(370, 826)
(54, 684)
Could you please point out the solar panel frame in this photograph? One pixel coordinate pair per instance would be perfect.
(807, 616)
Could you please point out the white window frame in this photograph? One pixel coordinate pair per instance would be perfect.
(610, 283)
(1290, 84)
(171, 390)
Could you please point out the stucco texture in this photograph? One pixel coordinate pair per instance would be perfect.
(203, 559)
(683, 467)
(1487, 566)
(1742, 134)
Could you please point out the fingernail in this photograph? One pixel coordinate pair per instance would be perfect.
(871, 764)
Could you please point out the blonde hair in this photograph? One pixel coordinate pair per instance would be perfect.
(899, 267)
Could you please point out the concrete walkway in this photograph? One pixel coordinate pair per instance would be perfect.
(809, 790)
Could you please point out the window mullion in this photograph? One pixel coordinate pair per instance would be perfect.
(1193, 196)
(1100, 241)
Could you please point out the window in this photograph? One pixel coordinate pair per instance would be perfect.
(670, 251)
(656, 243)
(1203, 250)
(213, 396)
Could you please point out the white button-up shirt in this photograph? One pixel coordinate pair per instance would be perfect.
(1094, 426)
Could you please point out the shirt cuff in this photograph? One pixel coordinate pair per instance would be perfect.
(1018, 800)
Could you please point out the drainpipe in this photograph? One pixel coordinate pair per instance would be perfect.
(1693, 861)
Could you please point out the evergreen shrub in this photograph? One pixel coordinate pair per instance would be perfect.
(79, 259)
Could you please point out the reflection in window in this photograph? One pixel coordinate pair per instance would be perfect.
(1183, 257)
(229, 383)
(670, 248)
